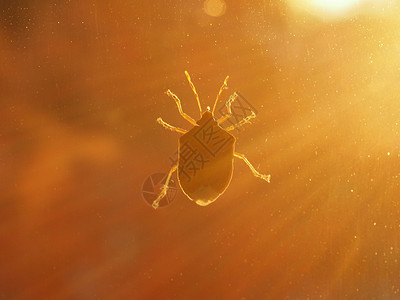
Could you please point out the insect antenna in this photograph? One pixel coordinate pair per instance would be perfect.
(224, 86)
(194, 91)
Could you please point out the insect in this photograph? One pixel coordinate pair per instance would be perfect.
(205, 152)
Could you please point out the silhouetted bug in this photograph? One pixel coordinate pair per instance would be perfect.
(205, 152)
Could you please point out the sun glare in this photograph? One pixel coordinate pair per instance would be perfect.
(331, 9)
(335, 5)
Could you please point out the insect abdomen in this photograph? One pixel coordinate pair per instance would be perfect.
(205, 161)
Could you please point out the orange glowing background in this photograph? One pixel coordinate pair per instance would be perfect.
(82, 83)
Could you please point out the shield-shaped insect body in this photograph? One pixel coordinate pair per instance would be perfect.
(205, 152)
(205, 160)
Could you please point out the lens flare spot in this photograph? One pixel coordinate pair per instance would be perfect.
(214, 8)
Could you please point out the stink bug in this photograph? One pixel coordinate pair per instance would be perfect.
(205, 152)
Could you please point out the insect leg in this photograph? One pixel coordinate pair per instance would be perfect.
(244, 121)
(170, 127)
(194, 91)
(178, 103)
(165, 188)
(255, 172)
(224, 86)
(228, 107)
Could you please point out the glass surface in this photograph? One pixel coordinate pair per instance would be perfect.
(82, 156)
